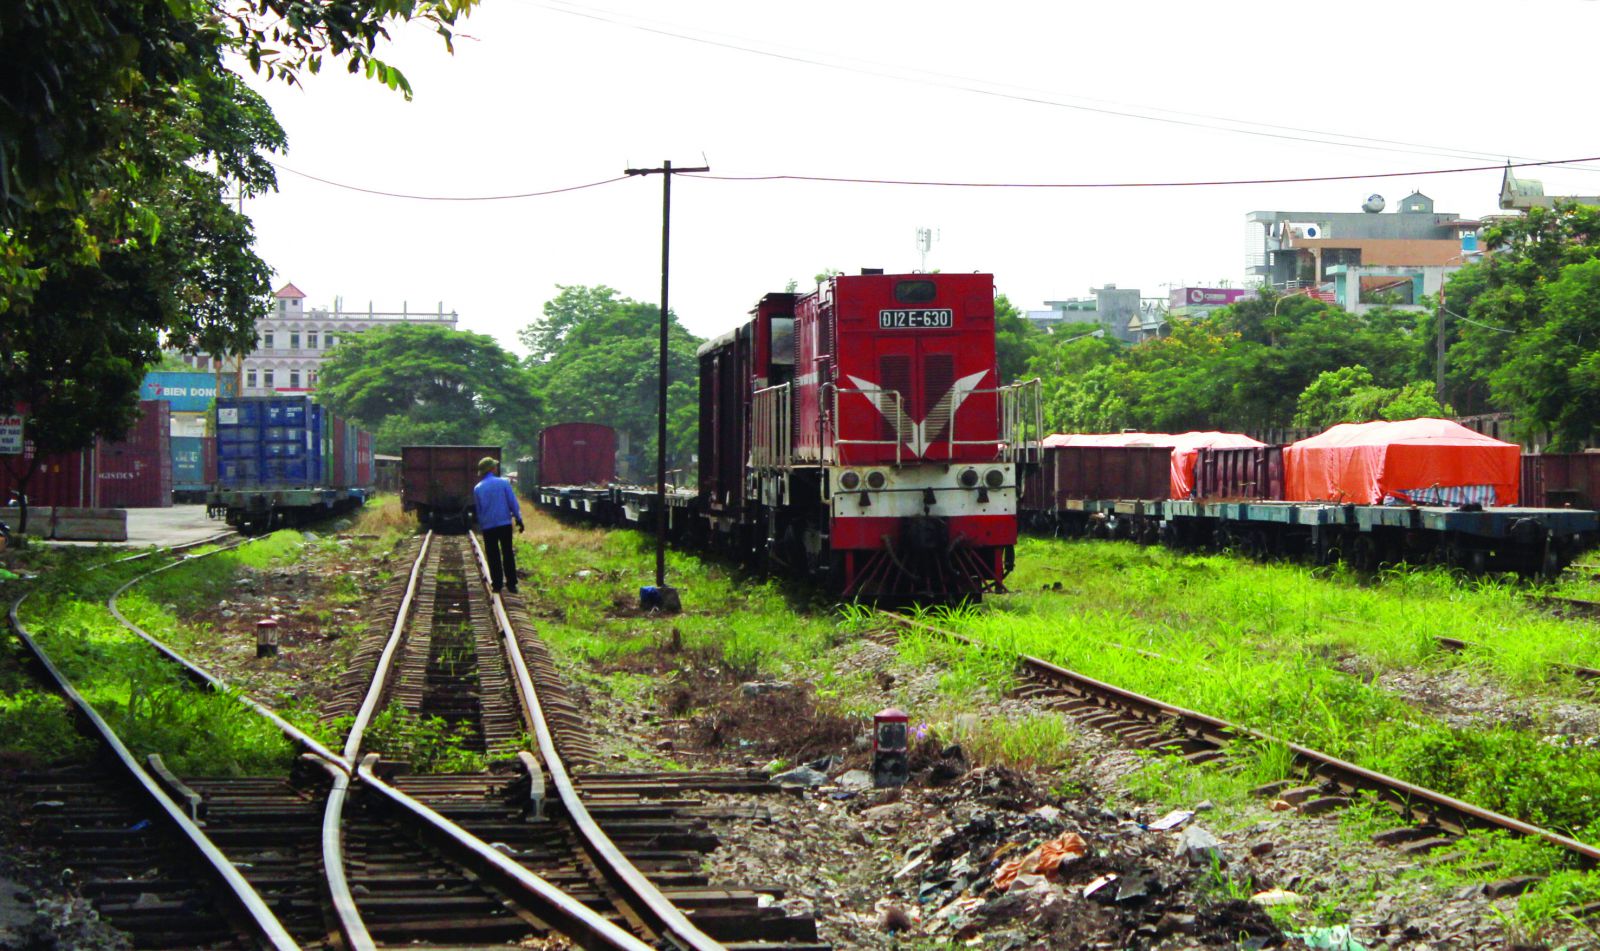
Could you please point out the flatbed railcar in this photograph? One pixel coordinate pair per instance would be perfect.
(858, 435)
(284, 461)
(1238, 502)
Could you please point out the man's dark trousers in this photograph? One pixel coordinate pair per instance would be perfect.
(502, 559)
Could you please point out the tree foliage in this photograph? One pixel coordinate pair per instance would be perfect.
(420, 384)
(1533, 324)
(1241, 367)
(594, 359)
(1349, 395)
(120, 130)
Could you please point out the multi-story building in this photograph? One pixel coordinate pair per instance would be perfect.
(292, 342)
(1298, 250)
(1119, 311)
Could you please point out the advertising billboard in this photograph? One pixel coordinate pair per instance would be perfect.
(187, 392)
(1205, 296)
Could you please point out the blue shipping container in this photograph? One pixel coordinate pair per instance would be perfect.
(188, 462)
(270, 442)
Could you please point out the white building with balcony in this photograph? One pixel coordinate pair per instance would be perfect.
(292, 342)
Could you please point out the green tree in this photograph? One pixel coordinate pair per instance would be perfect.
(595, 359)
(1530, 334)
(1016, 340)
(1350, 395)
(419, 383)
(120, 129)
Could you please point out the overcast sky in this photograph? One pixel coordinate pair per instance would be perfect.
(544, 94)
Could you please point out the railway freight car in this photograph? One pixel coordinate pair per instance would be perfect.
(857, 434)
(1368, 494)
(577, 454)
(279, 463)
(436, 482)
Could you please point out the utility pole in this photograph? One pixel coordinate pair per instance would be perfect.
(1438, 349)
(668, 598)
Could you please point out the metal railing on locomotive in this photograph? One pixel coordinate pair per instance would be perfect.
(1020, 409)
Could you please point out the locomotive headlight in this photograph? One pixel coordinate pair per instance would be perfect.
(994, 478)
(876, 479)
(850, 480)
(969, 478)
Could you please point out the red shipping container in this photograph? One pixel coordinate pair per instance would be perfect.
(208, 458)
(365, 477)
(341, 458)
(1561, 480)
(137, 472)
(577, 454)
(1185, 448)
(1239, 474)
(62, 479)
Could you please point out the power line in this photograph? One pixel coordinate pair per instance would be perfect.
(388, 194)
(1036, 97)
(1478, 323)
(1171, 184)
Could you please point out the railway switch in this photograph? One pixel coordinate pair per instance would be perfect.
(890, 753)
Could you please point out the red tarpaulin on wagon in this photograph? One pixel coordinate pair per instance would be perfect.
(1185, 447)
(1425, 461)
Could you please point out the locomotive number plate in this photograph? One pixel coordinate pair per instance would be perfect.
(915, 319)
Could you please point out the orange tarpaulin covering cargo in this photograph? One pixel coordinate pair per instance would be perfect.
(1414, 461)
(1185, 447)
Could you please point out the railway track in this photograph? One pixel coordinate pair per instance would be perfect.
(1436, 820)
(611, 860)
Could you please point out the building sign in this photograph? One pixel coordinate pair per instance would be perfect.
(187, 392)
(10, 435)
(1205, 296)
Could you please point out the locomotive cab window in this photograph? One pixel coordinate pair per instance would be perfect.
(915, 292)
(783, 341)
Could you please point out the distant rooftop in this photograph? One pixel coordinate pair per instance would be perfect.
(290, 291)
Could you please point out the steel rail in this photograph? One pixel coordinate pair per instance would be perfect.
(251, 911)
(380, 676)
(553, 906)
(1346, 774)
(646, 900)
(199, 674)
(352, 929)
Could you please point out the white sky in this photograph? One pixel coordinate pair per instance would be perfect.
(549, 93)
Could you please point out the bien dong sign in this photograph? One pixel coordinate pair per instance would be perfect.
(10, 435)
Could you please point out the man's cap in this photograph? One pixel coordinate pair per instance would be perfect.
(487, 464)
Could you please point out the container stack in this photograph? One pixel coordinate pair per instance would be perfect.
(136, 472)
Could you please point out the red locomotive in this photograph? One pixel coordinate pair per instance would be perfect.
(860, 433)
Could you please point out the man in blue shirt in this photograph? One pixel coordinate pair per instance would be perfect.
(497, 509)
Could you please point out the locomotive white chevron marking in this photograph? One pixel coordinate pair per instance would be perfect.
(920, 437)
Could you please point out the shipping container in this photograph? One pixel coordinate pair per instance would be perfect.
(1104, 472)
(1561, 480)
(187, 391)
(366, 477)
(345, 442)
(577, 454)
(136, 471)
(66, 479)
(270, 442)
(194, 462)
(1239, 474)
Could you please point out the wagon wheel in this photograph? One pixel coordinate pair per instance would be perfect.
(1364, 553)
(1257, 545)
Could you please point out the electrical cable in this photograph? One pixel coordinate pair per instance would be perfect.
(388, 194)
(1172, 184)
(1478, 323)
(1035, 97)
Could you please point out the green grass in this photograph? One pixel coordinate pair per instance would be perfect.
(142, 697)
(1389, 623)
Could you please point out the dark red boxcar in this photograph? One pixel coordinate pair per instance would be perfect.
(437, 481)
(1239, 474)
(1561, 480)
(577, 454)
(1104, 472)
(136, 472)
